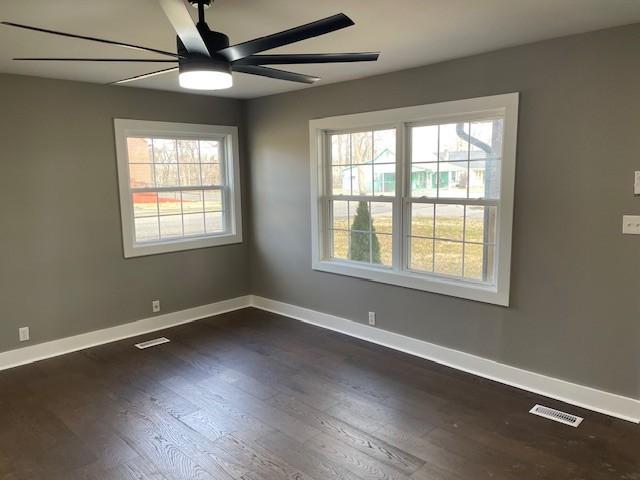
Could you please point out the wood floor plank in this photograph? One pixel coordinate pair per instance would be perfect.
(225, 412)
(261, 462)
(366, 443)
(276, 418)
(316, 465)
(363, 465)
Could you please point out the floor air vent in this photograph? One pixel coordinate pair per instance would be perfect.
(556, 415)
(152, 343)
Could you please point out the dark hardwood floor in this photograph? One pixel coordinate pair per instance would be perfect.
(254, 396)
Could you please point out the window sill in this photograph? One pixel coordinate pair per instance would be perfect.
(467, 290)
(179, 245)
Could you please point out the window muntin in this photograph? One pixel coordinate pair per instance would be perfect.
(178, 186)
(450, 194)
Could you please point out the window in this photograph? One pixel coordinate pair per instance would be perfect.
(179, 186)
(420, 197)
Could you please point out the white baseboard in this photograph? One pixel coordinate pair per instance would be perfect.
(586, 397)
(579, 395)
(40, 351)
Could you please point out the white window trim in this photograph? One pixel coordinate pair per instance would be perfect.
(126, 128)
(401, 118)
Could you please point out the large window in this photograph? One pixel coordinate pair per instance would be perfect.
(420, 197)
(179, 186)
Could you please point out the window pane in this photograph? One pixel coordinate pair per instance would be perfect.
(486, 139)
(147, 229)
(341, 180)
(424, 180)
(359, 216)
(141, 175)
(382, 217)
(362, 147)
(167, 175)
(384, 146)
(421, 254)
(384, 179)
(213, 200)
(210, 151)
(214, 222)
(449, 221)
(480, 225)
(448, 258)
(188, 151)
(145, 204)
(424, 144)
(340, 147)
(169, 203)
(171, 226)
(139, 150)
(484, 177)
(192, 202)
(211, 174)
(453, 142)
(340, 242)
(384, 249)
(194, 224)
(359, 248)
(422, 219)
(341, 215)
(453, 179)
(189, 174)
(479, 262)
(164, 151)
(362, 181)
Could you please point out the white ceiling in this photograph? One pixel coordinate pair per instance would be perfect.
(409, 33)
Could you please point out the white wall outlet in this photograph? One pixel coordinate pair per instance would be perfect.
(631, 224)
(155, 306)
(372, 318)
(636, 185)
(23, 333)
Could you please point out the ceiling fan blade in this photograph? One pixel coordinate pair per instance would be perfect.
(144, 75)
(297, 34)
(180, 18)
(297, 58)
(93, 39)
(134, 60)
(275, 73)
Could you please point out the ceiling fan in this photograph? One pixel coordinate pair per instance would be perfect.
(204, 58)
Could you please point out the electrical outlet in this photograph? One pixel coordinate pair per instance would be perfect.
(155, 306)
(636, 185)
(372, 318)
(23, 333)
(631, 224)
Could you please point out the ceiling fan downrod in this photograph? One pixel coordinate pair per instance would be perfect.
(201, 5)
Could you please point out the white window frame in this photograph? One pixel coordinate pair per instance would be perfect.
(124, 129)
(402, 119)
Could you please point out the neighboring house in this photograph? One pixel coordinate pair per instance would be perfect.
(453, 173)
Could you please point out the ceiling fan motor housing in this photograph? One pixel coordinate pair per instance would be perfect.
(214, 41)
(200, 62)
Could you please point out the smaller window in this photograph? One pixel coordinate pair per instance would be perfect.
(179, 186)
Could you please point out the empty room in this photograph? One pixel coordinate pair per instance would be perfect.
(337, 240)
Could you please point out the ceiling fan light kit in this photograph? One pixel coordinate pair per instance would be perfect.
(205, 59)
(204, 75)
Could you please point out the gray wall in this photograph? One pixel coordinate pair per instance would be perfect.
(575, 302)
(62, 270)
